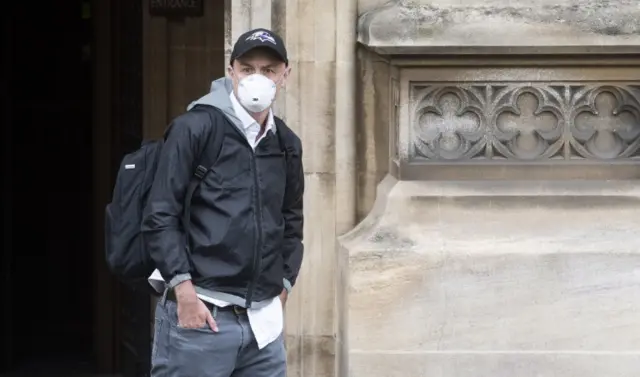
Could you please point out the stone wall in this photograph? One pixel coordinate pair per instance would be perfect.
(502, 240)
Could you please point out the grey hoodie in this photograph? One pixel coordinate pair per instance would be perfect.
(218, 96)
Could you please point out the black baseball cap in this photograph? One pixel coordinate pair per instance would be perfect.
(259, 38)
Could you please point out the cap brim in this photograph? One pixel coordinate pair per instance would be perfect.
(267, 46)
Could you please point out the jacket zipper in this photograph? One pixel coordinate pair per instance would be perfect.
(258, 220)
(256, 260)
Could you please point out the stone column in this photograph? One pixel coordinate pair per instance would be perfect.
(318, 104)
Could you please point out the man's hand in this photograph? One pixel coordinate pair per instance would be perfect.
(192, 312)
(283, 297)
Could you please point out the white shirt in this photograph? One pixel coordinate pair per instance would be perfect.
(266, 322)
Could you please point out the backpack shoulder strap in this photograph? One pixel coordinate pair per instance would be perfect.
(282, 132)
(208, 156)
(213, 145)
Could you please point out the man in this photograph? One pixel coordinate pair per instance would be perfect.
(222, 311)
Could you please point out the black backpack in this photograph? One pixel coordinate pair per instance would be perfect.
(126, 254)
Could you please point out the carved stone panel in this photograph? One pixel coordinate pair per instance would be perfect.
(525, 121)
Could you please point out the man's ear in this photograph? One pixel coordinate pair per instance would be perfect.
(285, 76)
(230, 70)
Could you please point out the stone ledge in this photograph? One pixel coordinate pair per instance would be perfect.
(500, 27)
(422, 216)
(417, 216)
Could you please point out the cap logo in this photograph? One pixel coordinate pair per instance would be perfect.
(261, 36)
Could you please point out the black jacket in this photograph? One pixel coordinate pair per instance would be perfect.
(246, 215)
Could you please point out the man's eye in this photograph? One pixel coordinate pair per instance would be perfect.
(246, 70)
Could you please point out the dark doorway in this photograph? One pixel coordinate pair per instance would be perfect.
(47, 128)
(71, 100)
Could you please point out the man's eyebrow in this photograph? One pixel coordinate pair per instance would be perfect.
(243, 63)
(277, 64)
(270, 65)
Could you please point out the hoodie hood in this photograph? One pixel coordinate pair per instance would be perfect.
(219, 97)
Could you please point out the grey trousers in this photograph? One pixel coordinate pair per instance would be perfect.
(231, 352)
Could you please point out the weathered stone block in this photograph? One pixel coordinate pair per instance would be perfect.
(505, 279)
(512, 26)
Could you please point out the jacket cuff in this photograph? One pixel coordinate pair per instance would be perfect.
(180, 278)
(287, 285)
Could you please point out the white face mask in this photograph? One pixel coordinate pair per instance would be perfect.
(256, 92)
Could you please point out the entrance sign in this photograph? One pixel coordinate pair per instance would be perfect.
(176, 8)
